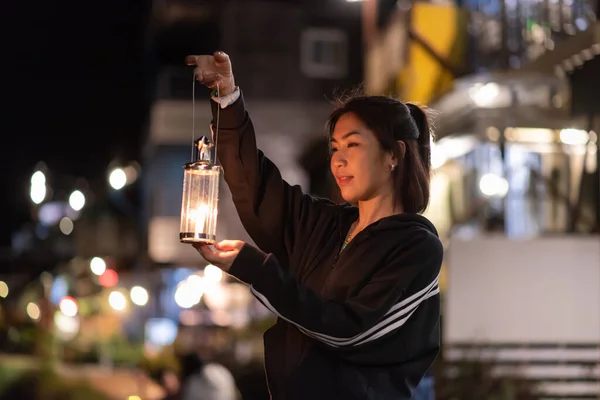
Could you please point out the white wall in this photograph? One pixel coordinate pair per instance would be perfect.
(538, 290)
(532, 303)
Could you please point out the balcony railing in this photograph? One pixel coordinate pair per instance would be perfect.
(490, 35)
(509, 33)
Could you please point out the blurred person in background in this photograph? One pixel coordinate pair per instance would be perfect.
(169, 381)
(354, 286)
(202, 380)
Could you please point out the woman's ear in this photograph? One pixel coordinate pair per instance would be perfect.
(394, 160)
(402, 147)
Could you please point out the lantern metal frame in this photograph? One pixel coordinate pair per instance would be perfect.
(204, 160)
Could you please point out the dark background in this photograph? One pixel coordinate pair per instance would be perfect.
(75, 88)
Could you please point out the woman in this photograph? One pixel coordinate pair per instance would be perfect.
(355, 287)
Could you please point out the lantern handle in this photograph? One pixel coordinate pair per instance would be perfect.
(215, 133)
(193, 117)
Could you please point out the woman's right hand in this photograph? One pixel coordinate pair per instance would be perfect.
(213, 71)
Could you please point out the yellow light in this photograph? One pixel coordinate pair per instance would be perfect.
(33, 311)
(117, 300)
(574, 137)
(66, 327)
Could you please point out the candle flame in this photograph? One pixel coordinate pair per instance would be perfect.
(200, 216)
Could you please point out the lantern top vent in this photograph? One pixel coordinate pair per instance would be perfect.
(204, 150)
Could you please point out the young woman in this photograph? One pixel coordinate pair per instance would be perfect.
(354, 286)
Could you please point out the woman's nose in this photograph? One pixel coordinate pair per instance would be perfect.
(338, 159)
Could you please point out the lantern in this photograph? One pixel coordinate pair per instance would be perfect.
(199, 204)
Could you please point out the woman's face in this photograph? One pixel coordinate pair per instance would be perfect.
(362, 169)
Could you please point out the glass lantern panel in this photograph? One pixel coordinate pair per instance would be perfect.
(199, 206)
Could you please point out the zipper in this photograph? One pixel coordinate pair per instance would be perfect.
(304, 345)
(360, 235)
(339, 253)
(335, 260)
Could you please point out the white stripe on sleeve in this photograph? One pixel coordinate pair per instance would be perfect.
(393, 319)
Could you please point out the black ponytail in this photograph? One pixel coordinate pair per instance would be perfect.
(424, 140)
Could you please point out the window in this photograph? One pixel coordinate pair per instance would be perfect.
(324, 53)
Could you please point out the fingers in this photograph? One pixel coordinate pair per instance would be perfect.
(221, 58)
(229, 245)
(192, 60)
(218, 58)
(206, 252)
(198, 245)
(208, 78)
(213, 71)
(225, 249)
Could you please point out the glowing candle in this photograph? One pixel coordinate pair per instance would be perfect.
(201, 216)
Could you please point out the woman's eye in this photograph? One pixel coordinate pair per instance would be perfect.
(332, 150)
(352, 144)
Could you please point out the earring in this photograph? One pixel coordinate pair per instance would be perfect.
(393, 167)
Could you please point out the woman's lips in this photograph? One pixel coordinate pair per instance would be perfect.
(344, 180)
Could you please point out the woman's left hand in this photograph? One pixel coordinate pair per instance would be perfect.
(225, 254)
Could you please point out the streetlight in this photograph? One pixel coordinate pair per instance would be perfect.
(77, 200)
(139, 295)
(68, 306)
(213, 274)
(97, 266)
(120, 177)
(38, 187)
(117, 178)
(492, 185)
(187, 295)
(117, 300)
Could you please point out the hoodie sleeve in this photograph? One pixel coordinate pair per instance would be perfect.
(269, 208)
(408, 277)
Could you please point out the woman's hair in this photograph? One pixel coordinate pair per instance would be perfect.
(391, 121)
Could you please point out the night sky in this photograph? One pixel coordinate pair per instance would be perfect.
(74, 90)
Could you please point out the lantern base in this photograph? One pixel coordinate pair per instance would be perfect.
(192, 237)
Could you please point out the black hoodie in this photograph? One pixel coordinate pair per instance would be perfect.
(360, 324)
